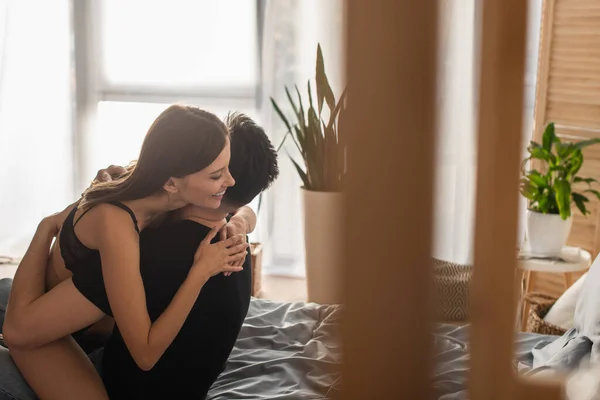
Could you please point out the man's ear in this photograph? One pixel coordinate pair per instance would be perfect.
(171, 186)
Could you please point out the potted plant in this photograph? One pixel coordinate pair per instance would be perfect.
(552, 190)
(316, 134)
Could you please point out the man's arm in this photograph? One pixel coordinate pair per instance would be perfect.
(243, 222)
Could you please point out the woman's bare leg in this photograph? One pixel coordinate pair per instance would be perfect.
(60, 371)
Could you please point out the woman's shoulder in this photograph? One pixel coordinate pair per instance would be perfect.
(102, 211)
(107, 217)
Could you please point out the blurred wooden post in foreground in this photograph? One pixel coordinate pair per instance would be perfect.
(391, 82)
(493, 309)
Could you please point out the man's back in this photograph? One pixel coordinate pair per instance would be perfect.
(199, 352)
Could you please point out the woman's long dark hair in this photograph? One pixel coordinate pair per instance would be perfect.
(181, 141)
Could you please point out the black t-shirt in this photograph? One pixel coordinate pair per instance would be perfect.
(200, 351)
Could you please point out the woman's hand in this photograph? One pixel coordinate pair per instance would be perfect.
(109, 173)
(211, 259)
(53, 223)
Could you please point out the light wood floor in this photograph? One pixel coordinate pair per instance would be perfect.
(283, 288)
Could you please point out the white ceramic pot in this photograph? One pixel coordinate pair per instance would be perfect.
(547, 233)
(323, 240)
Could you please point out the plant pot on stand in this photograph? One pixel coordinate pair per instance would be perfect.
(323, 238)
(318, 137)
(552, 187)
(546, 234)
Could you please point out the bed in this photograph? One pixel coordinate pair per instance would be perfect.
(452, 360)
(292, 351)
(284, 351)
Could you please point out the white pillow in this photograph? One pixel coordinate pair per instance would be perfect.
(562, 312)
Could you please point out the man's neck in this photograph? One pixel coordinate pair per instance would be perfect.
(208, 215)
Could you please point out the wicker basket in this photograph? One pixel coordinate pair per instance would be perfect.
(256, 252)
(539, 305)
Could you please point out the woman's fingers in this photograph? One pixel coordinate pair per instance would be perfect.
(231, 269)
(230, 260)
(211, 235)
(236, 249)
(234, 240)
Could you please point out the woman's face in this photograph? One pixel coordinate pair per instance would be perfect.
(206, 188)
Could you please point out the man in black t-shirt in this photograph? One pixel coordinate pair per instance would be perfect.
(200, 351)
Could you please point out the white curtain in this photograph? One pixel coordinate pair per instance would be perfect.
(456, 151)
(35, 117)
(291, 31)
(457, 110)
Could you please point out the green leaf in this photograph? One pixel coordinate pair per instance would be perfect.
(310, 101)
(594, 192)
(574, 164)
(586, 180)
(580, 201)
(320, 78)
(282, 143)
(585, 143)
(300, 113)
(323, 87)
(278, 111)
(542, 154)
(302, 174)
(292, 103)
(315, 154)
(337, 109)
(565, 150)
(548, 137)
(527, 189)
(287, 124)
(300, 139)
(563, 197)
(544, 204)
(538, 179)
(534, 145)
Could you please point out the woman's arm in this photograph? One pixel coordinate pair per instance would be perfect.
(119, 249)
(33, 317)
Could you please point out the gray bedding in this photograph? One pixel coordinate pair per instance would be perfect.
(452, 359)
(284, 351)
(292, 351)
(583, 340)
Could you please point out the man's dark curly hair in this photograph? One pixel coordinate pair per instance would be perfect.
(253, 162)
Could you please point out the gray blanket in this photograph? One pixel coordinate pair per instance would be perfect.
(452, 359)
(583, 341)
(284, 351)
(292, 351)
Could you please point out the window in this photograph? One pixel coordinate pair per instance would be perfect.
(137, 63)
(187, 45)
(121, 127)
(35, 117)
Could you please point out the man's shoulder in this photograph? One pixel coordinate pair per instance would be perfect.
(175, 236)
(175, 227)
